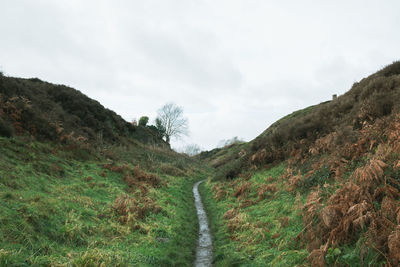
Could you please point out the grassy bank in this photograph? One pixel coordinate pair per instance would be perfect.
(255, 221)
(64, 207)
(337, 200)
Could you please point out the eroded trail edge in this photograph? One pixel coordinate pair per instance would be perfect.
(204, 244)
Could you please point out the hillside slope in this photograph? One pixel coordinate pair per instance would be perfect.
(79, 186)
(372, 98)
(321, 185)
(58, 113)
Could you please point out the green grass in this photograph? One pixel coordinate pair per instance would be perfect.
(260, 236)
(253, 231)
(56, 210)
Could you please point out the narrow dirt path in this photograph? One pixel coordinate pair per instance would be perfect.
(204, 244)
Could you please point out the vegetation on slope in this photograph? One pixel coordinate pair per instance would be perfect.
(255, 221)
(79, 186)
(370, 99)
(60, 113)
(342, 164)
(59, 209)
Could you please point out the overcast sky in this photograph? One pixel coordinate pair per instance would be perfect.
(234, 66)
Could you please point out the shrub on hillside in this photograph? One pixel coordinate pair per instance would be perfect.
(393, 69)
(6, 128)
(143, 121)
(232, 169)
(1, 78)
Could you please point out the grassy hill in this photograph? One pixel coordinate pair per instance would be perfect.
(319, 187)
(60, 113)
(79, 186)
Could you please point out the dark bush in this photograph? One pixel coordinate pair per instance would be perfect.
(232, 169)
(6, 129)
(392, 69)
(153, 128)
(382, 105)
(35, 80)
(2, 78)
(143, 121)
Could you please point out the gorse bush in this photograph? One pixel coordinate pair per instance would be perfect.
(143, 121)
(393, 69)
(6, 128)
(1, 78)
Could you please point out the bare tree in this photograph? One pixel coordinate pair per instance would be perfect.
(170, 119)
(191, 150)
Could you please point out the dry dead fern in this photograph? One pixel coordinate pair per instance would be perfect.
(386, 190)
(294, 181)
(317, 258)
(264, 188)
(330, 216)
(394, 246)
(242, 190)
(389, 207)
(219, 191)
(373, 171)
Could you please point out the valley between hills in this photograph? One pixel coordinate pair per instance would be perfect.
(80, 186)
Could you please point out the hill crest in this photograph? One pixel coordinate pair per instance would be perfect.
(60, 113)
